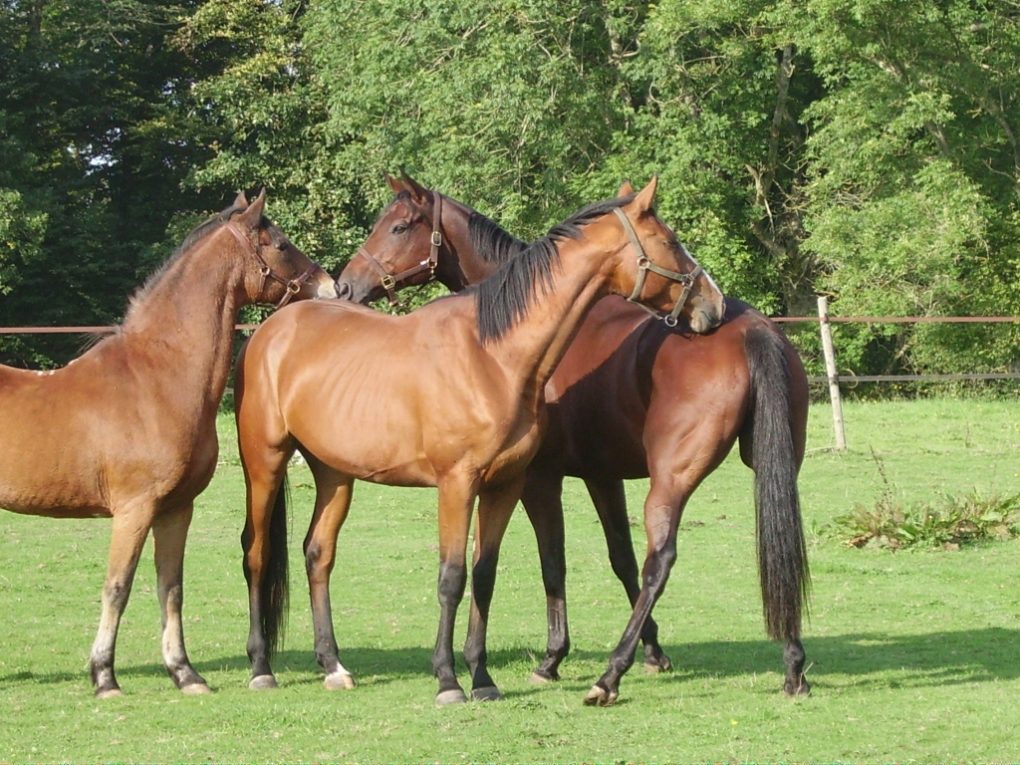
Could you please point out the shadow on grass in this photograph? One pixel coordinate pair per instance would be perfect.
(871, 659)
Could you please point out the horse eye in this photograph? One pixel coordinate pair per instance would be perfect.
(400, 228)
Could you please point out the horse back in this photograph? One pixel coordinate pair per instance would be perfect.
(398, 400)
(629, 386)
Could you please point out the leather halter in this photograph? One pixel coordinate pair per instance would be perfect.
(390, 282)
(292, 286)
(644, 265)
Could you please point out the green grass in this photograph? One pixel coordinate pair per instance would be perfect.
(915, 655)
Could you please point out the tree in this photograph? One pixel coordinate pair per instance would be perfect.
(915, 166)
(86, 90)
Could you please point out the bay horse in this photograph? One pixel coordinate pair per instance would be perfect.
(631, 398)
(447, 396)
(128, 429)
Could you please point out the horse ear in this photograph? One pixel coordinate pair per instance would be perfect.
(626, 189)
(645, 199)
(252, 217)
(241, 201)
(418, 191)
(395, 185)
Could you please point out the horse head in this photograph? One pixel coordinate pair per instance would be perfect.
(394, 255)
(661, 274)
(276, 271)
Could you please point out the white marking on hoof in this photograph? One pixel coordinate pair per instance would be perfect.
(262, 683)
(455, 696)
(341, 680)
(599, 697)
(110, 693)
(539, 679)
(490, 693)
(196, 689)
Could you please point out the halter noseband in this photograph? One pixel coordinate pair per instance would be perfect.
(644, 265)
(390, 282)
(292, 286)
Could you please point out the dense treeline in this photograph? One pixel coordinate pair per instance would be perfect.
(864, 149)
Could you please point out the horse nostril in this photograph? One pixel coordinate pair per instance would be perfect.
(343, 290)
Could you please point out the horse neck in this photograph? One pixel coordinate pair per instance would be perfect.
(460, 263)
(185, 319)
(539, 339)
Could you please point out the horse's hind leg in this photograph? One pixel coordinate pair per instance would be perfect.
(611, 504)
(542, 500)
(264, 471)
(796, 683)
(332, 501)
(663, 508)
(169, 534)
(130, 527)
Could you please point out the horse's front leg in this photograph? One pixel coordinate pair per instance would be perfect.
(131, 525)
(456, 500)
(332, 501)
(495, 505)
(169, 534)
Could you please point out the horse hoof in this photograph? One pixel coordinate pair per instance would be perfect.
(196, 689)
(262, 683)
(537, 678)
(109, 693)
(600, 697)
(339, 681)
(455, 696)
(803, 688)
(490, 693)
(655, 666)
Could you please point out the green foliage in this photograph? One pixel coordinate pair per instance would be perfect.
(855, 148)
(913, 180)
(259, 114)
(508, 105)
(946, 523)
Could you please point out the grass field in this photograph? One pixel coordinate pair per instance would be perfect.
(915, 656)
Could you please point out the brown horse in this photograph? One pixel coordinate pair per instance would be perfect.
(631, 398)
(448, 396)
(128, 429)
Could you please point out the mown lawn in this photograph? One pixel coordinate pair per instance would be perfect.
(915, 655)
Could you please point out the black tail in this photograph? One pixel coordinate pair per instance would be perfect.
(782, 557)
(274, 593)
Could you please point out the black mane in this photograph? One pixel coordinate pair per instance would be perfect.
(491, 242)
(504, 298)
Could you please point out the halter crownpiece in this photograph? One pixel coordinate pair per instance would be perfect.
(390, 282)
(644, 265)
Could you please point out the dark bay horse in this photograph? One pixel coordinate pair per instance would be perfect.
(631, 398)
(128, 429)
(449, 396)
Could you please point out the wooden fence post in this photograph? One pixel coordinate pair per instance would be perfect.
(832, 374)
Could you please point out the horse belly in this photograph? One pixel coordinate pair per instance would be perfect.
(35, 482)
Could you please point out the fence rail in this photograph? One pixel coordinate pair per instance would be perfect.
(823, 319)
